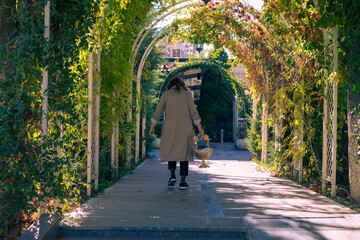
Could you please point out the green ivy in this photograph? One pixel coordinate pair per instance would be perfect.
(29, 176)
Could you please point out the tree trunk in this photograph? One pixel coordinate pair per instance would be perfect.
(7, 23)
(354, 125)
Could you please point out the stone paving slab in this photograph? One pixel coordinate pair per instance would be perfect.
(142, 200)
(277, 208)
(230, 197)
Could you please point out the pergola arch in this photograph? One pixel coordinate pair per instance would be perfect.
(160, 15)
(330, 96)
(139, 40)
(330, 106)
(268, 40)
(136, 46)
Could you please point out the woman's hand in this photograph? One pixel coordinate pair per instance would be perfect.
(151, 132)
(201, 131)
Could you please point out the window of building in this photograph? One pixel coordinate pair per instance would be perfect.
(176, 53)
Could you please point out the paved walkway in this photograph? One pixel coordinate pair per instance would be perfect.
(231, 199)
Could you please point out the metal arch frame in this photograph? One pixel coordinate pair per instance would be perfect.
(138, 41)
(136, 44)
(265, 111)
(135, 48)
(45, 73)
(138, 77)
(300, 131)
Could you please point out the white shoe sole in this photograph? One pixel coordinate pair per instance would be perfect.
(171, 183)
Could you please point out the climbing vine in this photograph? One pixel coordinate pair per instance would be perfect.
(285, 50)
(28, 175)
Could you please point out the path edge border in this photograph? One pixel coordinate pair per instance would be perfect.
(44, 228)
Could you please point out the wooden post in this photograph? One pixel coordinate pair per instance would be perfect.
(298, 132)
(254, 107)
(301, 140)
(97, 110)
(325, 123)
(90, 120)
(335, 105)
(279, 119)
(128, 137)
(143, 149)
(325, 140)
(277, 126)
(264, 131)
(117, 149)
(44, 123)
(113, 143)
(264, 126)
(44, 107)
(137, 120)
(236, 118)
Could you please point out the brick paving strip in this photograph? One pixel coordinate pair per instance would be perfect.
(231, 199)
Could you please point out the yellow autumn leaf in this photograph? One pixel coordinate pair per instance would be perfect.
(206, 137)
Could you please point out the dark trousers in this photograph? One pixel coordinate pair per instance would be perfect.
(184, 167)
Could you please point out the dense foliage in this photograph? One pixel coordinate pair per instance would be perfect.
(32, 172)
(288, 51)
(286, 48)
(24, 172)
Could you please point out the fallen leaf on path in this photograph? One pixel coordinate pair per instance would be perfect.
(140, 190)
(282, 194)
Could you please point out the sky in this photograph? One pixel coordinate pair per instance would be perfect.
(255, 3)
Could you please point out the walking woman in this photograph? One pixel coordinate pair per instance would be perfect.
(177, 142)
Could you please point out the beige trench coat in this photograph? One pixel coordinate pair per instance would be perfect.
(177, 142)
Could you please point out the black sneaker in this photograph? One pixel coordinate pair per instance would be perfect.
(183, 186)
(171, 182)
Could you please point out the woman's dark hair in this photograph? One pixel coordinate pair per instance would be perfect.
(178, 83)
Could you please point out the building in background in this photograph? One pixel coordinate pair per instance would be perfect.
(180, 52)
(240, 74)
